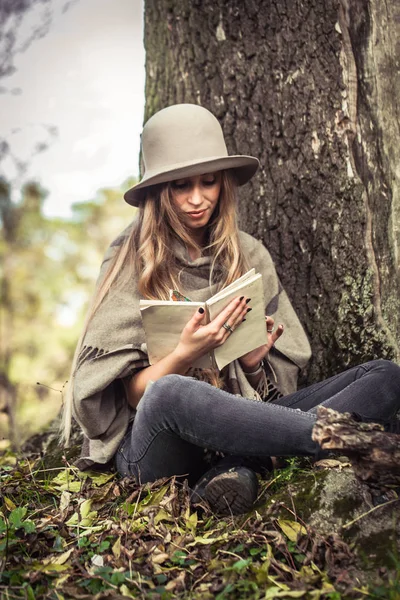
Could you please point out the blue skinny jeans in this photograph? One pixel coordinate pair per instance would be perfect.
(179, 416)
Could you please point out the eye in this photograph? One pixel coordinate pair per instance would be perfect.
(209, 181)
(180, 185)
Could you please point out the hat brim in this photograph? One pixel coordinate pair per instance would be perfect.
(244, 168)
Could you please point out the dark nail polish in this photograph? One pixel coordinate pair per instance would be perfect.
(243, 320)
(241, 298)
(248, 300)
(201, 310)
(249, 309)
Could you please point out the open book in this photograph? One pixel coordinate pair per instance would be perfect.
(163, 321)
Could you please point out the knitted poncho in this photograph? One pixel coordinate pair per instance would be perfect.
(114, 347)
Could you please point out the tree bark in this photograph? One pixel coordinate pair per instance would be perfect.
(311, 89)
(375, 454)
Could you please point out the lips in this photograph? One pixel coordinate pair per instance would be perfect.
(196, 214)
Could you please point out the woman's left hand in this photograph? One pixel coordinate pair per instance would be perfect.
(251, 360)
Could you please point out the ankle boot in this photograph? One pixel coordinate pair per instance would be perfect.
(227, 490)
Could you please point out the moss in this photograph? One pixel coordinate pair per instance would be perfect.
(343, 507)
(378, 549)
(309, 494)
(356, 320)
(304, 490)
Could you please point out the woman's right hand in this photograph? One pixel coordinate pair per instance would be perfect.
(197, 338)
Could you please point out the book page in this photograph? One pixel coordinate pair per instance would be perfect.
(146, 303)
(163, 322)
(232, 286)
(248, 335)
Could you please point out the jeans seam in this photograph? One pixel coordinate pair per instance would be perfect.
(302, 413)
(143, 454)
(312, 391)
(276, 405)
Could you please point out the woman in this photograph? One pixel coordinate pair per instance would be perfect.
(157, 420)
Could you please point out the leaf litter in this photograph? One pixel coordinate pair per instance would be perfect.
(68, 534)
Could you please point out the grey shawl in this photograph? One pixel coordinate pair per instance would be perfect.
(114, 347)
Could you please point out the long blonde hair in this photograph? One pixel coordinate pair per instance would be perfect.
(146, 254)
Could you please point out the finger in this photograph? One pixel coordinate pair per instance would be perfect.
(226, 314)
(198, 318)
(269, 322)
(239, 314)
(277, 333)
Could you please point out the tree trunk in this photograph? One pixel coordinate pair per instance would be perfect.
(311, 88)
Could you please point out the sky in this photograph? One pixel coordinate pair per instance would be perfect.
(79, 90)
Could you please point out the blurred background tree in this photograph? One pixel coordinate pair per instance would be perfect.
(24, 232)
(49, 266)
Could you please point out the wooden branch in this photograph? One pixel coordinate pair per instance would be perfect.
(374, 454)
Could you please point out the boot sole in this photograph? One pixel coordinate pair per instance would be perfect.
(231, 493)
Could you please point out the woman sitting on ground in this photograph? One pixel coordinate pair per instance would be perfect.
(154, 421)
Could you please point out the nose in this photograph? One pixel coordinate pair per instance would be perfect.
(196, 197)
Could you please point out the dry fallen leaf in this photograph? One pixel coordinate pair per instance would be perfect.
(159, 559)
(331, 463)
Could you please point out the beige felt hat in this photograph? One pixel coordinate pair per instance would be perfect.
(184, 140)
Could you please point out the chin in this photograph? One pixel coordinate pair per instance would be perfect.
(198, 224)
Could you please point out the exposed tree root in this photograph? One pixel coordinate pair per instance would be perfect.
(374, 454)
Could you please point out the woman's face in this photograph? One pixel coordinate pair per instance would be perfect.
(196, 198)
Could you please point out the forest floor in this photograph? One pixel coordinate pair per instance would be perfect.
(68, 534)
